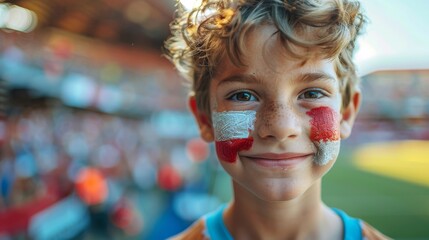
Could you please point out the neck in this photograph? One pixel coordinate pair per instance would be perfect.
(250, 217)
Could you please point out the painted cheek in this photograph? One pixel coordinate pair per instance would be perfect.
(324, 124)
(325, 134)
(228, 150)
(232, 133)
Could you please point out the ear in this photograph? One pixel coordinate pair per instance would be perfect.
(349, 115)
(206, 129)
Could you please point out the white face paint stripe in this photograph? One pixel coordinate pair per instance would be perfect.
(233, 124)
(326, 152)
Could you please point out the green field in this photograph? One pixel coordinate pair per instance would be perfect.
(397, 208)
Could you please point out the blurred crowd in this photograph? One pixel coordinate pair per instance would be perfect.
(98, 135)
(94, 164)
(395, 106)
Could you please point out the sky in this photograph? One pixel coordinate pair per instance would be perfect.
(396, 38)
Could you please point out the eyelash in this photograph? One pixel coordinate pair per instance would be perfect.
(233, 97)
(320, 93)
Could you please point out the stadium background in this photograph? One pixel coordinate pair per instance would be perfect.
(96, 141)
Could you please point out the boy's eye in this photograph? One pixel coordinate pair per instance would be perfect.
(312, 94)
(242, 96)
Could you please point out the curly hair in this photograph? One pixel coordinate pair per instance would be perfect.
(202, 36)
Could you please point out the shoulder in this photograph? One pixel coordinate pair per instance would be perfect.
(195, 232)
(370, 233)
(354, 227)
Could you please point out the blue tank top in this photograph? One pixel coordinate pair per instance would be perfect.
(217, 230)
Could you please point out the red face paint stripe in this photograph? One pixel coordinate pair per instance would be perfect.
(324, 124)
(227, 150)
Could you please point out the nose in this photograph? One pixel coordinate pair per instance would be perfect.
(278, 121)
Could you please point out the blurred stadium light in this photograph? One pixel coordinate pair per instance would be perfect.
(13, 17)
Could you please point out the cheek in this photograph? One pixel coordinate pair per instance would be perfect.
(325, 134)
(326, 151)
(227, 150)
(324, 124)
(232, 133)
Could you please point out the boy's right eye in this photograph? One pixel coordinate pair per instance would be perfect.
(242, 97)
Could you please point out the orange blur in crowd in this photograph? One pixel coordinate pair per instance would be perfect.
(91, 186)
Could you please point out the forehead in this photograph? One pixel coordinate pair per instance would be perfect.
(264, 54)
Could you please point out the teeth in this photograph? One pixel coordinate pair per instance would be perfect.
(326, 152)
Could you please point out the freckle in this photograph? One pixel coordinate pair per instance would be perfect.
(271, 106)
(272, 111)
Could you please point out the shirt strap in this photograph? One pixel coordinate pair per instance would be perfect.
(215, 226)
(352, 228)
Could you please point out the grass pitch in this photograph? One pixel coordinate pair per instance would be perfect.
(397, 206)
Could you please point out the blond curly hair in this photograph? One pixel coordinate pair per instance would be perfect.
(202, 36)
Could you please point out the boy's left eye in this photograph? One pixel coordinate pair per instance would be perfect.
(312, 94)
(242, 97)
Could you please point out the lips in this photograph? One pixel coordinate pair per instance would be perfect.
(278, 160)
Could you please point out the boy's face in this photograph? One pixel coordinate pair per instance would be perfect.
(277, 122)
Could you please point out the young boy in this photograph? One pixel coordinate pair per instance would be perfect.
(274, 86)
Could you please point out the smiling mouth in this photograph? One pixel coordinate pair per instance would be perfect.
(278, 160)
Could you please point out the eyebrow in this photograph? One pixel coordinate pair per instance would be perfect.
(306, 77)
(316, 76)
(247, 78)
